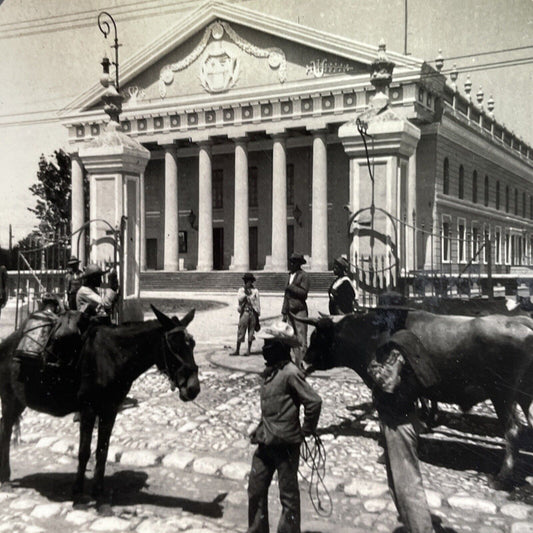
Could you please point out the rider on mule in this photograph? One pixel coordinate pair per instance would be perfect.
(91, 299)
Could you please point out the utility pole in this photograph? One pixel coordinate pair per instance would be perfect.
(405, 29)
(10, 259)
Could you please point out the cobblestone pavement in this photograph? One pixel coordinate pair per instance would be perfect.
(177, 466)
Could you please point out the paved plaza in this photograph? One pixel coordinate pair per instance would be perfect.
(177, 466)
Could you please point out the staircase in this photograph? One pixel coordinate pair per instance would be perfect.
(225, 281)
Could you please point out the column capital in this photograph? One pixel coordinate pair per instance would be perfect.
(167, 147)
(318, 131)
(239, 139)
(277, 133)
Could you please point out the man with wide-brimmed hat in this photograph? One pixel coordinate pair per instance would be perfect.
(280, 434)
(249, 309)
(295, 303)
(342, 297)
(91, 298)
(72, 281)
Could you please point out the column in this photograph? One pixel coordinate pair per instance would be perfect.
(241, 246)
(319, 227)
(170, 261)
(143, 224)
(205, 208)
(78, 208)
(412, 245)
(279, 204)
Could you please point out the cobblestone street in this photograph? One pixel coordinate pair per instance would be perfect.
(177, 466)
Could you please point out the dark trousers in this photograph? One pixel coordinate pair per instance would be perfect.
(403, 473)
(300, 330)
(266, 460)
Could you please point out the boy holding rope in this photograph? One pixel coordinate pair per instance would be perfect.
(279, 434)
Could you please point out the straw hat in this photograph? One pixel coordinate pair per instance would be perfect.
(281, 332)
(342, 262)
(73, 260)
(297, 258)
(92, 270)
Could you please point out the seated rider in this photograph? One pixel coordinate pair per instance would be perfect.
(92, 299)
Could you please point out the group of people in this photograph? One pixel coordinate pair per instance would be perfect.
(341, 293)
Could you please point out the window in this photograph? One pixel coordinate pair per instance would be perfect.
(486, 191)
(445, 245)
(507, 248)
(475, 244)
(497, 195)
(461, 240)
(497, 246)
(524, 205)
(290, 184)
(446, 177)
(486, 239)
(516, 201)
(252, 187)
(218, 189)
(461, 182)
(507, 198)
(474, 186)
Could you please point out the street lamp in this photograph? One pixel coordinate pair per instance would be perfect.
(111, 97)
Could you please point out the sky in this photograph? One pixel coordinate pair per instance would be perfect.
(50, 52)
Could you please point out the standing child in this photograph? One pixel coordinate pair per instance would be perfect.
(249, 311)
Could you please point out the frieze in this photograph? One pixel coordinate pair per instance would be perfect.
(320, 67)
(220, 70)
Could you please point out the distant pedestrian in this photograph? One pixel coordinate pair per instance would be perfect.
(3, 287)
(73, 281)
(342, 297)
(295, 302)
(249, 308)
(279, 434)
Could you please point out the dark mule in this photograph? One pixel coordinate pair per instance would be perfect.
(110, 360)
(477, 359)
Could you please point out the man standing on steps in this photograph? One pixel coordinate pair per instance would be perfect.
(295, 303)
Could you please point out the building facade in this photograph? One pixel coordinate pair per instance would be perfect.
(241, 117)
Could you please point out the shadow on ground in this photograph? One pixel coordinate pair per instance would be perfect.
(124, 488)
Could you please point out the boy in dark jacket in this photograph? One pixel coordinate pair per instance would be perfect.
(279, 434)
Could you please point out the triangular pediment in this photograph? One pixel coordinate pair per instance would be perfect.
(222, 48)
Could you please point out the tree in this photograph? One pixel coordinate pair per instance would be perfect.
(53, 192)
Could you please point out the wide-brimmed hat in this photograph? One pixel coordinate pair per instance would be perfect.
(248, 276)
(297, 258)
(342, 262)
(73, 260)
(49, 297)
(93, 270)
(392, 300)
(281, 332)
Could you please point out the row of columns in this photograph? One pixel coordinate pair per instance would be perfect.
(278, 262)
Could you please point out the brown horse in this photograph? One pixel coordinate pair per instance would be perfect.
(110, 359)
(477, 359)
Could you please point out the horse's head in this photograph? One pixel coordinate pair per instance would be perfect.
(178, 357)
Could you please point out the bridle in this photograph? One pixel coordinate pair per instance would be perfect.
(181, 363)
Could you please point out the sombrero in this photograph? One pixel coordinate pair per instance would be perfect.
(281, 332)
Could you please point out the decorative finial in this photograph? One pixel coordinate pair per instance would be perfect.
(479, 95)
(454, 74)
(381, 76)
(439, 61)
(468, 87)
(490, 106)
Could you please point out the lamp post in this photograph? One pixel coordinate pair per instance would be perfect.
(112, 98)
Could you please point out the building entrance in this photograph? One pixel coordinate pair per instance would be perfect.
(218, 248)
(253, 248)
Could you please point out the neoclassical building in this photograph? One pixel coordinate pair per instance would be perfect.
(248, 159)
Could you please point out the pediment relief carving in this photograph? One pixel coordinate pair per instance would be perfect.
(219, 68)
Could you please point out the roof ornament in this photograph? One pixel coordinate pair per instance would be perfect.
(454, 74)
(468, 87)
(439, 61)
(490, 106)
(112, 98)
(381, 76)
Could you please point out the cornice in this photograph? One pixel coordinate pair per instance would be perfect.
(213, 10)
(482, 211)
(505, 157)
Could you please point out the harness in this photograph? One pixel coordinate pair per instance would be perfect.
(178, 357)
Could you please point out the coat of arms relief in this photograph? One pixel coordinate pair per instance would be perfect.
(220, 68)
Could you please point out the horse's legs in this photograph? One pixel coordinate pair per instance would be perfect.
(105, 426)
(504, 406)
(11, 409)
(87, 419)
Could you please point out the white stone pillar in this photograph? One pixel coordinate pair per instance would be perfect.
(78, 208)
(205, 208)
(171, 209)
(279, 204)
(143, 223)
(319, 227)
(241, 246)
(412, 245)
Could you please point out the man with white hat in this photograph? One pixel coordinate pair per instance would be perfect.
(91, 298)
(279, 434)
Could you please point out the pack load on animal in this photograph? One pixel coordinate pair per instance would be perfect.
(36, 334)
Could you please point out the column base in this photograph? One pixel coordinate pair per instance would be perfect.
(238, 267)
(204, 268)
(273, 266)
(320, 265)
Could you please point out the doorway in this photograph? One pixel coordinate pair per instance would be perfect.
(253, 247)
(151, 254)
(218, 248)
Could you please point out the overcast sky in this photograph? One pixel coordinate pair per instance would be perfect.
(50, 52)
